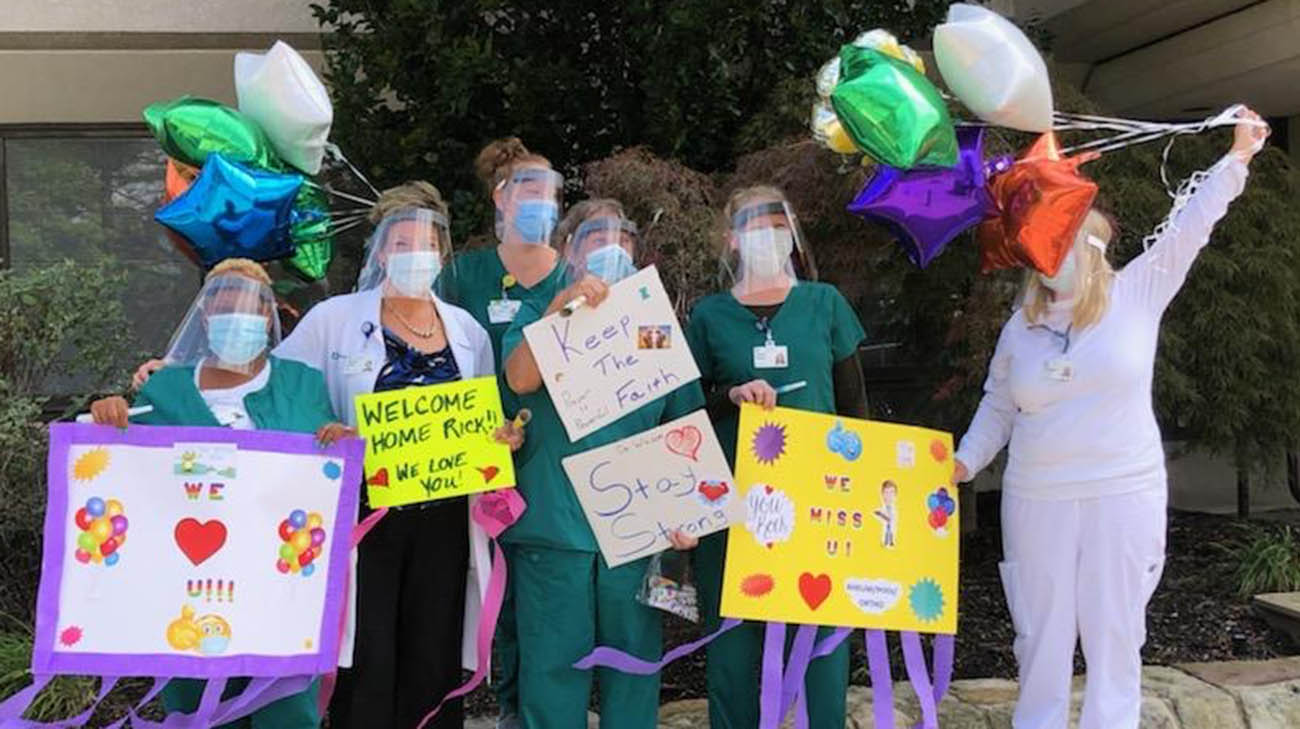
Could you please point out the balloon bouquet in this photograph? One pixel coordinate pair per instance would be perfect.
(932, 180)
(242, 182)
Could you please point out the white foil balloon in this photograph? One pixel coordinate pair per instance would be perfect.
(279, 91)
(993, 68)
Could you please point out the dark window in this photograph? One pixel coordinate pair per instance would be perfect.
(85, 193)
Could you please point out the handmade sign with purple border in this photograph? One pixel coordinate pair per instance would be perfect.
(195, 552)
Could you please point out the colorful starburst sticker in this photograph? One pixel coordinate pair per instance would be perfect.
(769, 443)
(91, 463)
(926, 599)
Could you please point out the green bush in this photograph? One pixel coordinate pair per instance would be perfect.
(62, 324)
(1269, 562)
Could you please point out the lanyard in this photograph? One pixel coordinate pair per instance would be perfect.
(764, 326)
(1062, 337)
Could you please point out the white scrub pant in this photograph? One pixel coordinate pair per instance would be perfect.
(1081, 569)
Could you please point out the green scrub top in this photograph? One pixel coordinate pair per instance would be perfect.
(815, 324)
(554, 517)
(295, 399)
(474, 279)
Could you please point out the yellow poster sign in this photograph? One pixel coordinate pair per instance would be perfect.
(847, 522)
(433, 442)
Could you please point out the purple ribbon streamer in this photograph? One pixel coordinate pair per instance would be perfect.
(260, 693)
(882, 684)
(919, 675)
(769, 702)
(607, 657)
(158, 684)
(12, 708)
(796, 668)
(825, 647)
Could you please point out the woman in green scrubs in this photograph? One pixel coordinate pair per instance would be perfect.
(772, 339)
(567, 599)
(492, 283)
(218, 372)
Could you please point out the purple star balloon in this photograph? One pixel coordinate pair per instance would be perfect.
(235, 211)
(926, 207)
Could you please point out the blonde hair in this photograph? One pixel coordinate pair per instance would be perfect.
(243, 266)
(1095, 276)
(746, 195)
(581, 212)
(407, 196)
(499, 158)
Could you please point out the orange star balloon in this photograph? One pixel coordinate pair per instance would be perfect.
(176, 181)
(1040, 204)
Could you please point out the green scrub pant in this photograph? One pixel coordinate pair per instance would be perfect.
(505, 651)
(292, 712)
(568, 602)
(733, 659)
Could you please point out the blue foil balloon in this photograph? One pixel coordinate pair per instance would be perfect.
(926, 207)
(235, 211)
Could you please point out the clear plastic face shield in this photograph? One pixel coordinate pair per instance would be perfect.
(604, 247)
(528, 205)
(406, 253)
(231, 325)
(764, 245)
(1072, 275)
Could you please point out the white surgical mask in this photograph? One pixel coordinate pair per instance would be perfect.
(766, 253)
(1063, 283)
(413, 273)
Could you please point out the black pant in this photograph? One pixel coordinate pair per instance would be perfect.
(410, 608)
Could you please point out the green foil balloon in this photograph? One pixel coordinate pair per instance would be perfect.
(312, 233)
(191, 128)
(892, 111)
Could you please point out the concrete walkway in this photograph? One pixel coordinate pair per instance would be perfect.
(1230, 695)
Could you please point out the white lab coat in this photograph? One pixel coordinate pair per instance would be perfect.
(343, 338)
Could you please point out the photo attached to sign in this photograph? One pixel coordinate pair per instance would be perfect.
(602, 363)
(165, 546)
(637, 491)
(433, 442)
(846, 522)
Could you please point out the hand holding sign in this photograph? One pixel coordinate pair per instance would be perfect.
(662, 488)
(434, 442)
(600, 363)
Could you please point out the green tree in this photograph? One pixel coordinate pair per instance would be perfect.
(715, 95)
(421, 85)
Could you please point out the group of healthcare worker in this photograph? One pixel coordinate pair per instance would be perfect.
(1075, 360)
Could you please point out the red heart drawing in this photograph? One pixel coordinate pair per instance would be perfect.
(379, 479)
(814, 590)
(713, 491)
(684, 441)
(767, 489)
(489, 473)
(199, 541)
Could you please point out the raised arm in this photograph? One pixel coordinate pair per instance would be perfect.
(1155, 276)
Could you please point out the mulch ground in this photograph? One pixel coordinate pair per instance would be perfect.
(1196, 614)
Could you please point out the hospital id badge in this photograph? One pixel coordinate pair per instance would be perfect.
(771, 356)
(1060, 369)
(357, 365)
(503, 311)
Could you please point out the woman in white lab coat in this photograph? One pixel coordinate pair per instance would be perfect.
(417, 604)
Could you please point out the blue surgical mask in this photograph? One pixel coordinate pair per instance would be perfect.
(535, 219)
(413, 273)
(237, 339)
(213, 645)
(610, 264)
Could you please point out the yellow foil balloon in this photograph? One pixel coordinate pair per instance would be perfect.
(114, 507)
(837, 140)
